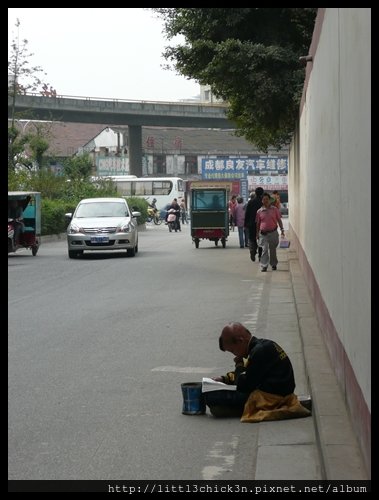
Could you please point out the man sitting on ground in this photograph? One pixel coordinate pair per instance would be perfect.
(264, 377)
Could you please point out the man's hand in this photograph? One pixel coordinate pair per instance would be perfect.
(217, 379)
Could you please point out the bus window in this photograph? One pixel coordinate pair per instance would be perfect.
(162, 188)
(143, 188)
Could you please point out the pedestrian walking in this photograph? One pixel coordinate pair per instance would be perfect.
(238, 213)
(252, 206)
(231, 205)
(267, 221)
(183, 211)
(276, 198)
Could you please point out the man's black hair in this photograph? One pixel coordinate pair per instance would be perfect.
(220, 343)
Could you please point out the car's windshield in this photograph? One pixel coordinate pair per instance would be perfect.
(102, 209)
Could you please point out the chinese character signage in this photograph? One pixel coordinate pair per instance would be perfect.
(268, 182)
(112, 165)
(240, 168)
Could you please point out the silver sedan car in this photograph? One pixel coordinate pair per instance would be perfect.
(102, 224)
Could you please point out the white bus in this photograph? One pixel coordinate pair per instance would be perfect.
(163, 189)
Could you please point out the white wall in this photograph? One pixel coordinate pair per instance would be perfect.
(330, 181)
(108, 139)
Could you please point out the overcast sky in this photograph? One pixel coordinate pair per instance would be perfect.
(112, 52)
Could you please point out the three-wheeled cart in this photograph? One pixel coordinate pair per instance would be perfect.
(209, 215)
(30, 234)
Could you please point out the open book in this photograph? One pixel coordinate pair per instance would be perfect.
(209, 384)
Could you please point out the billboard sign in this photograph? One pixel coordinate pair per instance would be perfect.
(241, 167)
(268, 182)
(112, 165)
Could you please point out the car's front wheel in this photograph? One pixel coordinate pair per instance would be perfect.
(131, 252)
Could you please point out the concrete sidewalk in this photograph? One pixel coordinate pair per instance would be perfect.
(324, 446)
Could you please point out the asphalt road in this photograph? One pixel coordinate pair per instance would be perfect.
(98, 348)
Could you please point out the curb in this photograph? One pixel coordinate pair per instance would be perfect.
(340, 454)
(49, 238)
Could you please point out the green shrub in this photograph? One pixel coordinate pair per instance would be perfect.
(138, 205)
(53, 220)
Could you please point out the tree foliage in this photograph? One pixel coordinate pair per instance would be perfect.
(25, 149)
(78, 167)
(27, 144)
(24, 77)
(250, 58)
(16, 147)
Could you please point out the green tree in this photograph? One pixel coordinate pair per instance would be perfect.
(78, 167)
(24, 150)
(28, 149)
(250, 58)
(22, 77)
(16, 149)
(38, 144)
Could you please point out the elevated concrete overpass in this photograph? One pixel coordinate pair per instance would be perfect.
(135, 114)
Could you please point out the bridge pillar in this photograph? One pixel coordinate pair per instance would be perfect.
(135, 150)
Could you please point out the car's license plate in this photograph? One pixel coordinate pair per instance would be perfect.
(99, 239)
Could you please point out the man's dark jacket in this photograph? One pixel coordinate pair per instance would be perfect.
(268, 368)
(252, 208)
